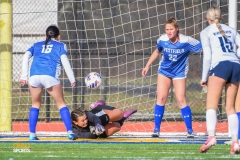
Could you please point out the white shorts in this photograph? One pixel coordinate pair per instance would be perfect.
(45, 81)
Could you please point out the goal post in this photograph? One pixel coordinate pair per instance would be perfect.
(114, 38)
(232, 22)
(5, 65)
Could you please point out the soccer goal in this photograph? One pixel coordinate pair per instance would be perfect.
(114, 38)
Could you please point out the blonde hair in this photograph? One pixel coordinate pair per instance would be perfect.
(214, 14)
(173, 22)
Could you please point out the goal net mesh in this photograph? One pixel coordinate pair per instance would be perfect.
(114, 38)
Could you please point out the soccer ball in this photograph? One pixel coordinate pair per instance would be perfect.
(93, 80)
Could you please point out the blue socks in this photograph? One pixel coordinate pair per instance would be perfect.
(158, 115)
(187, 117)
(65, 115)
(33, 118)
(238, 114)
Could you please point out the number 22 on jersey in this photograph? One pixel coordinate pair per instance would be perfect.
(48, 48)
(172, 57)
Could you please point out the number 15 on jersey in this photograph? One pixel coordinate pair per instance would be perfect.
(226, 45)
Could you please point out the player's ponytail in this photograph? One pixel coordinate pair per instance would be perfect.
(51, 32)
(214, 14)
(173, 22)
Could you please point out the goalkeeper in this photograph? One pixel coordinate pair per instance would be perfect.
(101, 121)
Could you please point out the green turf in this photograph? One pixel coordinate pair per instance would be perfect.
(70, 151)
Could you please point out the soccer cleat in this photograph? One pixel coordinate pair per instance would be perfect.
(208, 144)
(72, 136)
(190, 134)
(128, 113)
(97, 103)
(33, 138)
(235, 148)
(156, 133)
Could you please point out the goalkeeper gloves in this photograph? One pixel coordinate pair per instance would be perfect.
(92, 129)
(99, 129)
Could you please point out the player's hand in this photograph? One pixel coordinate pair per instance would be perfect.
(99, 129)
(23, 82)
(92, 129)
(203, 83)
(73, 84)
(144, 71)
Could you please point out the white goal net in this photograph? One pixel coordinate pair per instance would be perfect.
(114, 38)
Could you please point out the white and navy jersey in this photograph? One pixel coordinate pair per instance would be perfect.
(47, 60)
(175, 56)
(217, 48)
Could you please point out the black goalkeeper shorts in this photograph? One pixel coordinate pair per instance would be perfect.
(103, 135)
(98, 111)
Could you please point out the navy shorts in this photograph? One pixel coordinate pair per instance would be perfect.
(230, 71)
(98, 111)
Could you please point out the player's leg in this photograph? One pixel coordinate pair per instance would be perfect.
(237, 108)
(231, 90)
(126, 115)
(56, 92)
(36, 89)
(114, 115)
(36, 95)
(110, 114)
(110, 129)
(163, 86)
(117, 114)
(215, 86)
(180, 93)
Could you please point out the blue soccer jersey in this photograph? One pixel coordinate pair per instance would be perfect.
(47, 60)
(174, 62)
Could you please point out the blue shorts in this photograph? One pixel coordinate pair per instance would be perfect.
(230, 71)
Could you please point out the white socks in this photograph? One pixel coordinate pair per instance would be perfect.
(32, 134)
(211, 120)
(233, 126)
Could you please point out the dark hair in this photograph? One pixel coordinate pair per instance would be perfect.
(77, 113)
(51, 32)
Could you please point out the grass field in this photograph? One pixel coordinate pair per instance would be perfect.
(69, 151)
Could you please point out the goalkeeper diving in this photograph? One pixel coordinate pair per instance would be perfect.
(101, 121)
